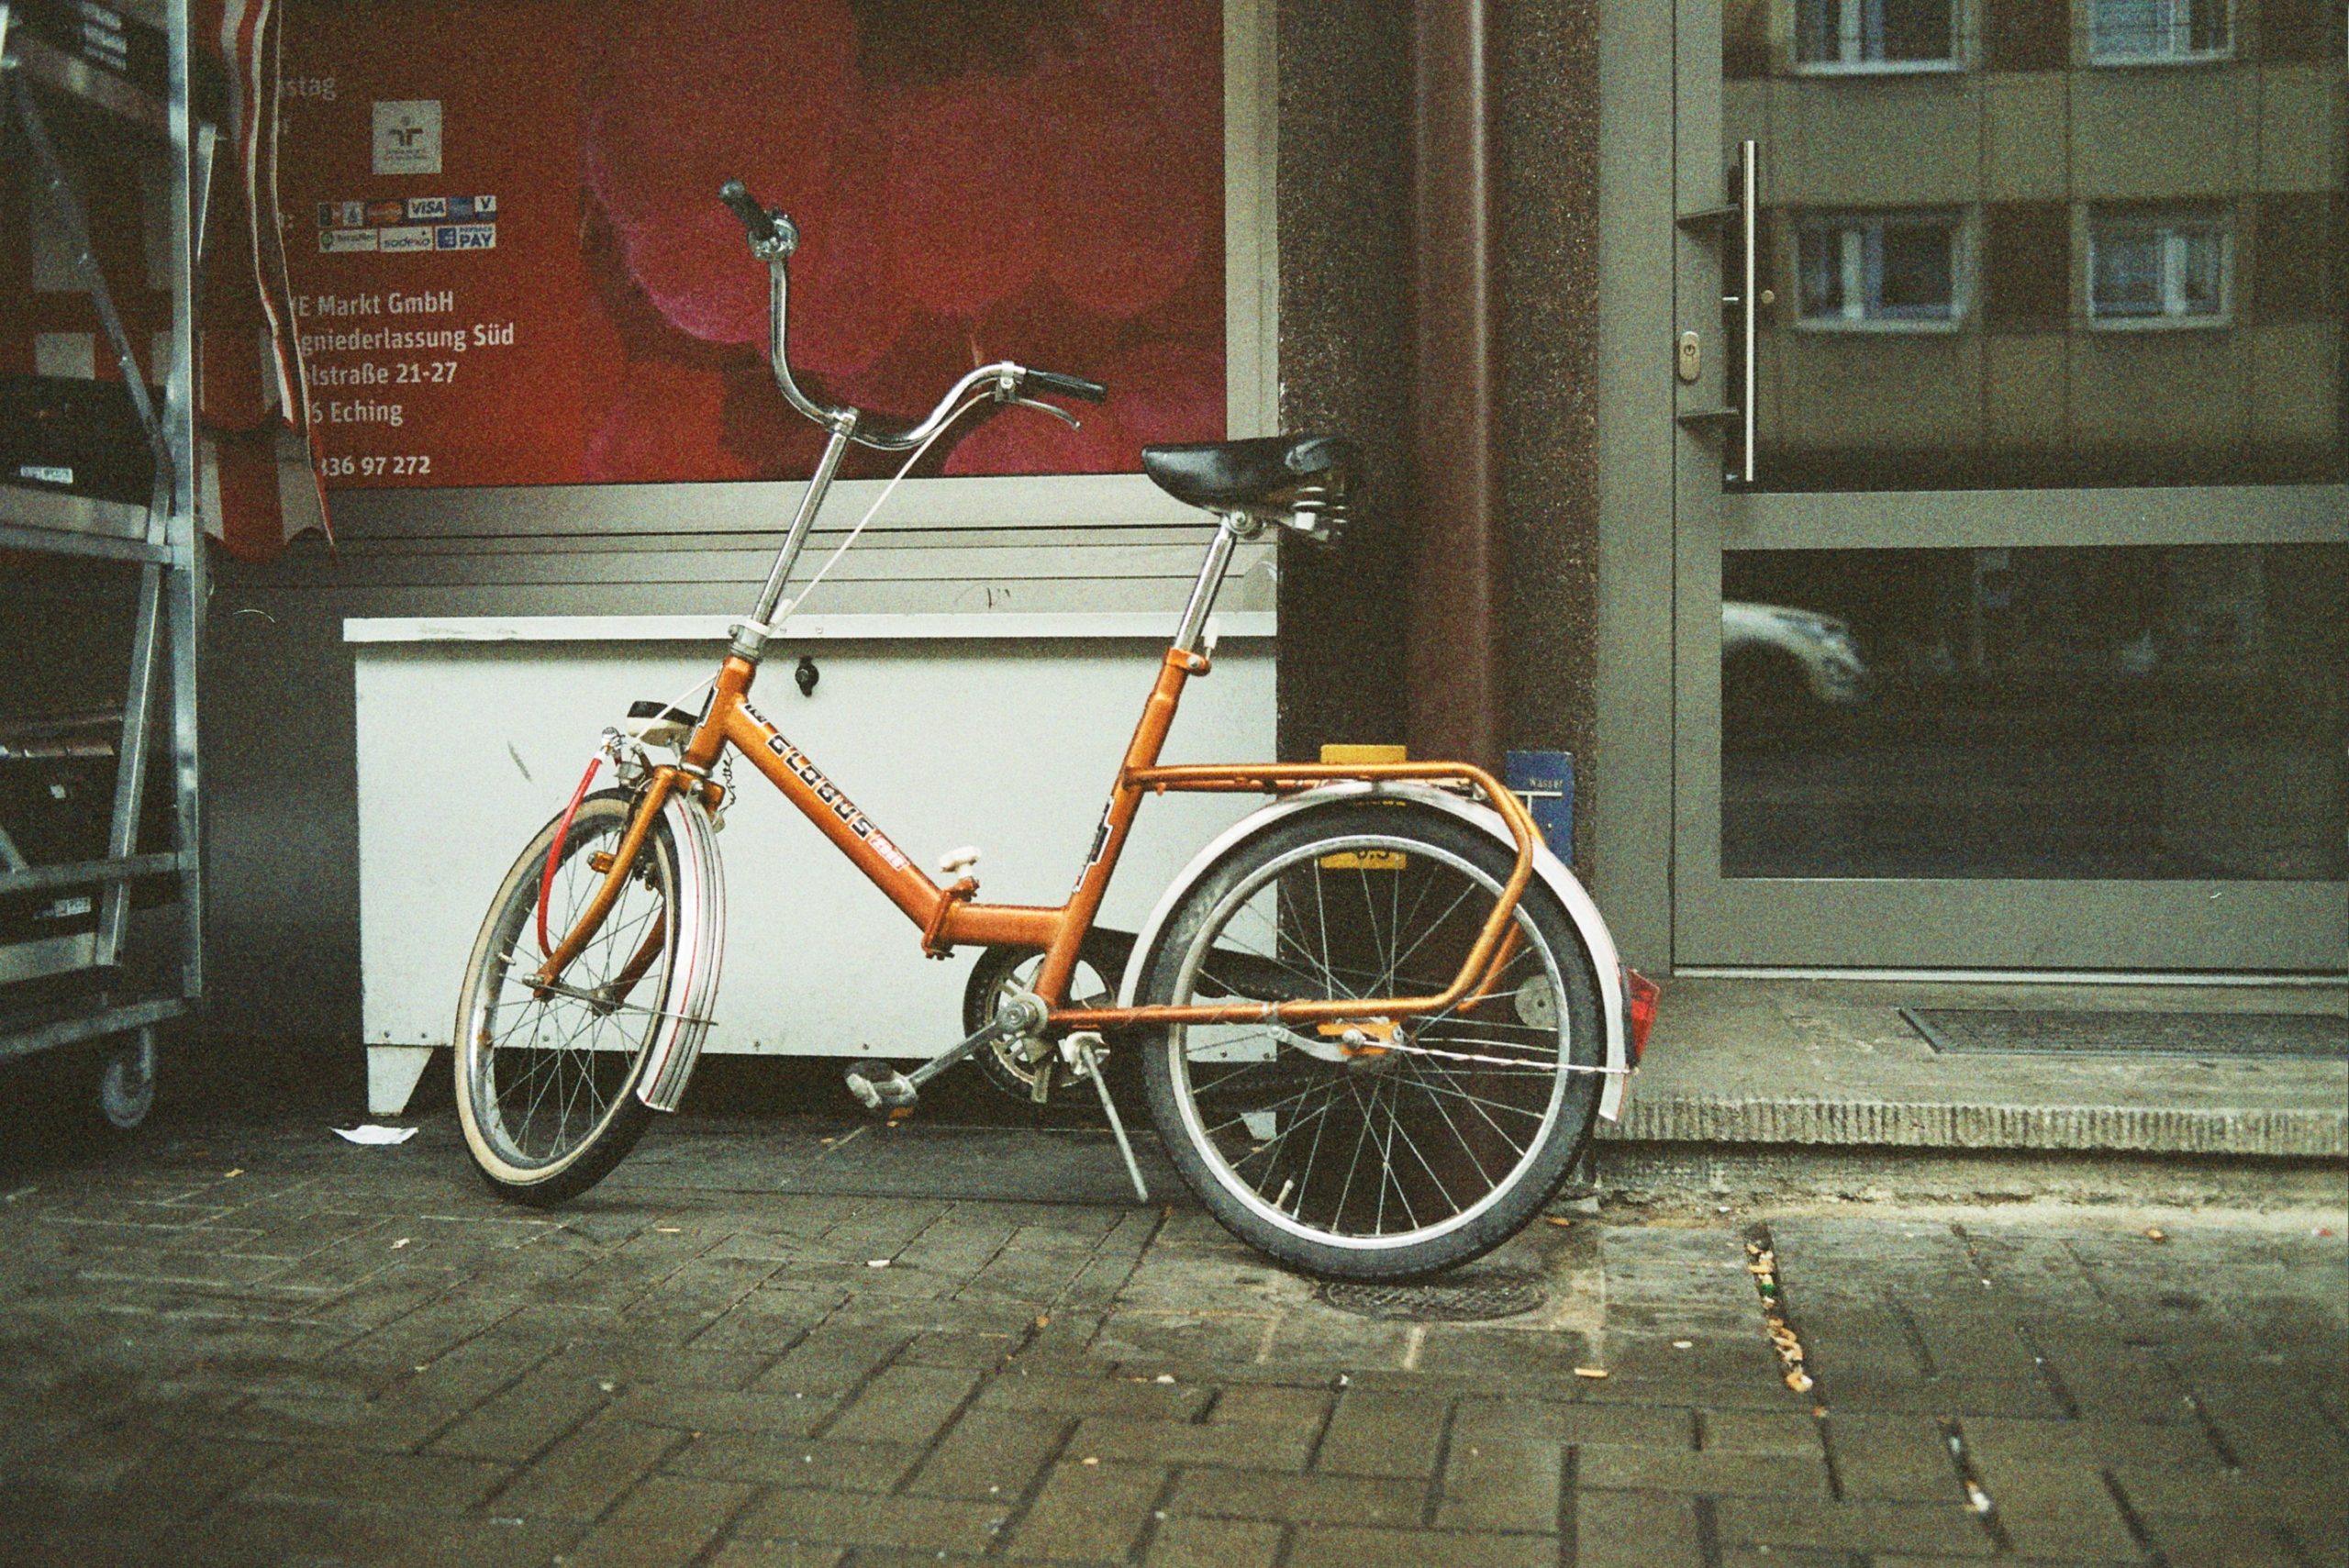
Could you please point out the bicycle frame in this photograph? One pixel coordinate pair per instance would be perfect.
(949, 916)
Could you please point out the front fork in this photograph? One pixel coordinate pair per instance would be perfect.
(666, 779)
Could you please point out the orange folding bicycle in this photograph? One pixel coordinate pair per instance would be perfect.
(1374, 1019)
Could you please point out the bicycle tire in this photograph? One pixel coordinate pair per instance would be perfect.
(1472, 1117)
(525, 1061)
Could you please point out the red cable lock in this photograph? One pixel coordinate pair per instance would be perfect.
(555, 852)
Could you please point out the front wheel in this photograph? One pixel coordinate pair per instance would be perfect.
(547, 1078)
(1373, 1148)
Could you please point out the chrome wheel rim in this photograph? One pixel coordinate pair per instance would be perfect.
(1462, 1132)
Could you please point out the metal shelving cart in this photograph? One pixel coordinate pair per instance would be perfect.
(124, 71)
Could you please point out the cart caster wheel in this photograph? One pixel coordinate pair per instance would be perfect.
(127, 1083)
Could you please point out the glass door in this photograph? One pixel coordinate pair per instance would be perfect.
(2011, 507)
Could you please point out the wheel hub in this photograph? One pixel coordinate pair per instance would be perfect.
(1365, 1045)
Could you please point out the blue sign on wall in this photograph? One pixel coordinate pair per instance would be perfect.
(1545, 781)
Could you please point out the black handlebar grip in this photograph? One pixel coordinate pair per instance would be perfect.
(1067, 385)
(756, 219)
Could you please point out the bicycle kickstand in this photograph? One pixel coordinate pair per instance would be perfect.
(1083, 1046)
(877, 1088)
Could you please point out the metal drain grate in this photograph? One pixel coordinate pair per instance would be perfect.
(1494, 1294)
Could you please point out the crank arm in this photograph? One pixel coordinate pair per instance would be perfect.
(876, 1089)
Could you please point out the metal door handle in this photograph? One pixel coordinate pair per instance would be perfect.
(1749, 207)
(1742, 215)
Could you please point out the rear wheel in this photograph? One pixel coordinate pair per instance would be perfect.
(547, 1078)
(1377, 1147)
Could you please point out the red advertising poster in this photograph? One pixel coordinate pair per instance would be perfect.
(431, 235)
(510, 266)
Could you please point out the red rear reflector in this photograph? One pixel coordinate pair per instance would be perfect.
(1639, 993)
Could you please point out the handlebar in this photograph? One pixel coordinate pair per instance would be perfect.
(773, 237)
(773, 234)
(1066, 386)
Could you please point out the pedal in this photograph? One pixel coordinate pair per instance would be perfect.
(878, 1088)
(1036, 1052)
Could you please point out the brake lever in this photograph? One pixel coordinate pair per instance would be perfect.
(1061, 414)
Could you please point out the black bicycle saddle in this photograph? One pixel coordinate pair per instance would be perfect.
(1273, 477)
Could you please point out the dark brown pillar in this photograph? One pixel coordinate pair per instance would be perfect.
(1457, 692)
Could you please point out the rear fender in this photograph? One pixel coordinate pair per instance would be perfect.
(700, 943)
(1597, 942)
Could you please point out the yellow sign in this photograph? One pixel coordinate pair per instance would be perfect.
(1367, 860)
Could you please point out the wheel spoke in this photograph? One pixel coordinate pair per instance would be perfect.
(1317, 1118)
(1337, 1218)
(1482, 1104)
(1413, 1145)
(1404, 956)
(1274, 1108)
(1370, 918)
(1314, 1153)
(1328, 976)
(1468, 1148)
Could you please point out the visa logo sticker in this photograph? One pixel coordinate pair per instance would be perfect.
(428, 206)
(409, 237)
(465, 236)
(331, 241)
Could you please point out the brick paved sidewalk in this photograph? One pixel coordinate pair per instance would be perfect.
(269, 1347)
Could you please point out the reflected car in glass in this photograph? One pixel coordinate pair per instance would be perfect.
(1777, 645)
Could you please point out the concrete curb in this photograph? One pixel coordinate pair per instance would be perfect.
(2299, 1134)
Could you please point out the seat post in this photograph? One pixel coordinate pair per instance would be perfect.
(1231, 528)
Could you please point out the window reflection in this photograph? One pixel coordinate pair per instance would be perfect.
(1875, 32)
(1880, 268)
(2147, 267)
(2130, 713)
(1979, 216)
(2141, 30)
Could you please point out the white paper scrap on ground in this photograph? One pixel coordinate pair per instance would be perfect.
(374, 1134)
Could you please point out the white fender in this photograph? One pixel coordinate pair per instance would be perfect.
(700, 943)
(1605, 965)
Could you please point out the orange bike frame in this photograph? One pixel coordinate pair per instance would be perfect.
(947, 917)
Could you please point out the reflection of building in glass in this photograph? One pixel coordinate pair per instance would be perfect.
(1896, 268)
(2046, 242)
(2168, 267)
